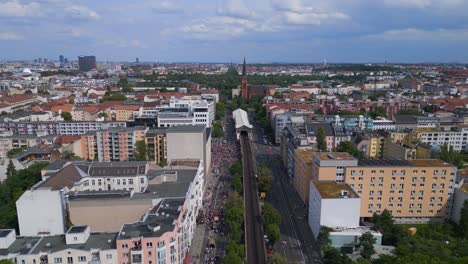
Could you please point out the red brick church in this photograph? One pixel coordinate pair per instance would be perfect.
(250, 91)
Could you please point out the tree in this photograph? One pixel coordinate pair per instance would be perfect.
(141, 150)
(67, 116)
(321, 143)
(220, 110)
(273, 232)
(263, 178)
(324, 236)
(366, 245)
(333, 256)
(12, 152)
(385, 224)
(463, 223)
(347, 146)
(6, 261)
(69, 155)
(162, 163)
(11, 169)
(28, 92)
(116, 97)
(277, 259)
(378, 112)
(232, 258)
(102, 115)
(451, 156)
(217, 130)
(270, 214)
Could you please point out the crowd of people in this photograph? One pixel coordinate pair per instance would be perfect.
(225, 152)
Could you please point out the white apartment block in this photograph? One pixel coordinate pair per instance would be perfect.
(457, 139)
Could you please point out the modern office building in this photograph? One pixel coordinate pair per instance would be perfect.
(86, 63)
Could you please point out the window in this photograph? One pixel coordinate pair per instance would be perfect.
(82, 258)
(69, 260)
(124, 245)
(108, 256)
(130, 181)
(57, 260)
(149, 244)
(373, 171)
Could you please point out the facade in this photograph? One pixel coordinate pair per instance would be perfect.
(41, 212)
(303, 173)
(189, 142)
(361, 122)
(456, 138)
(118, 144)
(333, 205)
(86, 63)
(160, 205)
(78, 245)
(156, 142)
(414, 191)
(54, 128)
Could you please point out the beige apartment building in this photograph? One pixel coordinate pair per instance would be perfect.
(303, 173)
(412, 191)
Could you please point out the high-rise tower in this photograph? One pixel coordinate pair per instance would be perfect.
(244, 90)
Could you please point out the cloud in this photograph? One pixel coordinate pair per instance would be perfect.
(297, 13)
(424, 4)
(9, 36)
(17, 9)
(415, 34)
(81, 12)
(236, 8)
(166, 7)
(46, 8)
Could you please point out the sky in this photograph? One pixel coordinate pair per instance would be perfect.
(303, 31)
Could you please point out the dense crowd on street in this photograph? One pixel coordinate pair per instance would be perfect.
(225, 152)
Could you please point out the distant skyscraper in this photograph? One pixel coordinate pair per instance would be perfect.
(86, 63)
(61, 58)
(65, 60)
(137, 60)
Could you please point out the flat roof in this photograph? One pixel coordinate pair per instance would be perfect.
(5, 232)
(335, 156)
(403, 163)
(305, 154)
(159, 220)
(186, 129)
(77, 229)
(430, 163)
(331, 189)
(102, 241)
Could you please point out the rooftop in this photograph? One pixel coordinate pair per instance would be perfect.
(403, 163)
(186, 129)
(159, 220)
(77, 229)
(331, 189)
(335, 156)
(305, 154)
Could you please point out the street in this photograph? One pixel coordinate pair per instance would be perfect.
(296, 243)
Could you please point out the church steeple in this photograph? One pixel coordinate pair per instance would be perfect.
(244, 69)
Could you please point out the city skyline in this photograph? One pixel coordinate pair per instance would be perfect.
(295, 31)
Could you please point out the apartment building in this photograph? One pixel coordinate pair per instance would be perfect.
(156, 142)
(78, 245)
(414, 191)
(22, 141)
(54, 128)
(303, 173)
(123, 112)
(457, 138)
(159, 221)
(186, 112)
(118, 144)
(189, 142)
